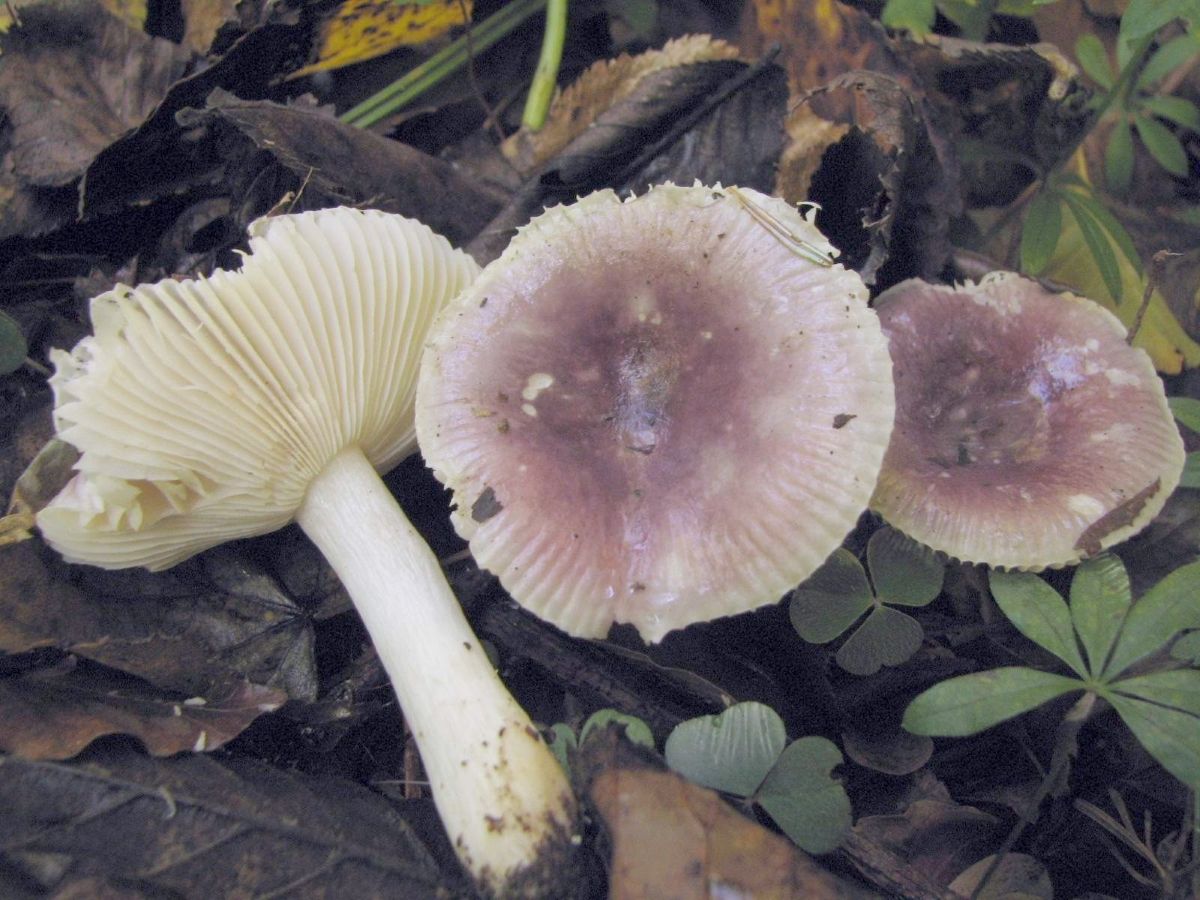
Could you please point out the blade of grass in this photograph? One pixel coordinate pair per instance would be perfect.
(442, 64)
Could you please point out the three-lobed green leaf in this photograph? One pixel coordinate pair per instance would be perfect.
(730, 752)
(905, 573)
(802, 797)
(742, 752)
(831, 600)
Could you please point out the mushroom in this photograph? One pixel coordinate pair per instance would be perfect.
(657, 411)
(1029, 434)
(228, 406)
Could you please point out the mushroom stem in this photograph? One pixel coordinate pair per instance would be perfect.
(502, 796)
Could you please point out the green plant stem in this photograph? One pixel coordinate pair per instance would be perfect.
(442, 64)
(545, 77)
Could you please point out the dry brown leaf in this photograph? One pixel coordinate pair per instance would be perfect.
(194, 827)
(936, 837)
(673, 839)
(194, 629)
(54, 712)
(203, 19)
(820, 39)
(72, 81)
(599, 88)
(864, 151)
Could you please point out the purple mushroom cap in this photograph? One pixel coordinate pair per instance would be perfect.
(657, 411)
(1029, 434)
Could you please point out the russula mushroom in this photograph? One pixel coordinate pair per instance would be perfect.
(1029, 434)
(228, 406)
(657, 411)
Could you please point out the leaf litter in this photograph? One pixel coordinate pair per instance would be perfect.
(244, 665)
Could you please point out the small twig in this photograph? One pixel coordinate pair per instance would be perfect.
(780, 231)
(31, 363)
(1153, 277)
(492, 120)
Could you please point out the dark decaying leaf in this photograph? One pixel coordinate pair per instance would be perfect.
(821, 41)
(168, 827)
(55, 711)
(159, 159)
(886, 189)
(73, 79)
(599, 673)
(333, 164)
(928, 841)
(1172, 539)
(735, 142)
(671, 838)
(891, 752)
(193, 629)
(601, 87)
(204, 19)
(1017, 107)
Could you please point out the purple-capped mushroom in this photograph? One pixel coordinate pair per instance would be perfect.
(1029, 434)
(657, 411)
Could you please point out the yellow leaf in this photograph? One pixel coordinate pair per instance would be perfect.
(363, 29)
(1160, 335)
(132, 12)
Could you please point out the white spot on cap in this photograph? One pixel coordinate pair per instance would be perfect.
(644, 306)
(1085, 505)
(535, 384)
(1120, 376)
(1091, 344)
(529, 409)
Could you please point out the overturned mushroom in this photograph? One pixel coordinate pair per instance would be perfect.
(1028, 433)
(657, 411)
(228, 406)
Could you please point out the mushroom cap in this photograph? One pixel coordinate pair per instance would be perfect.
(203, 408)
(658, 411)
(1029, 434)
